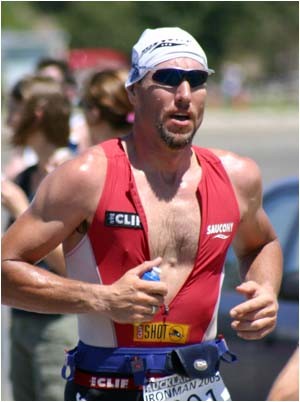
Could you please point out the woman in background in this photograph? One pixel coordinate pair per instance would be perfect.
(106, 106)
(37, 340)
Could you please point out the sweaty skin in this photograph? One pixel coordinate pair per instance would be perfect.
(166, 179)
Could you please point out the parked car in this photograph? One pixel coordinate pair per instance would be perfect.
(259, 362)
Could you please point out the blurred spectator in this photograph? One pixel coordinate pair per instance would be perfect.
(38, 341)
(60, 71)
(108, 112)
(232, 85)
(286, 385)
(22, 156)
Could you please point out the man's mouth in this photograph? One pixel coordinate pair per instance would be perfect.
(180, 116)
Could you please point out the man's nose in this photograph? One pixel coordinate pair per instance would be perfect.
(183, 93)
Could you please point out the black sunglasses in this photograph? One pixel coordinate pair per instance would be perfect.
(174, 77)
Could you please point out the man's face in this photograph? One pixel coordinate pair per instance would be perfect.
(173, 112)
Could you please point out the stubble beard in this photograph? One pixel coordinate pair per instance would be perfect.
(173, 140)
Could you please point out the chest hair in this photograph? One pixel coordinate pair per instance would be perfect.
(174, 229)
(173, 218)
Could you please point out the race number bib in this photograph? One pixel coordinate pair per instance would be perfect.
(178, 388)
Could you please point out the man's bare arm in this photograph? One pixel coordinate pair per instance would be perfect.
(258, 252)
(57, 209)
(66, 198)
(27, 287)
(128, 300)
(15, 200)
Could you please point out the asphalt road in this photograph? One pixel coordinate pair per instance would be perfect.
(269, 137)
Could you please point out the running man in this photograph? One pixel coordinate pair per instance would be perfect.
(149, 199)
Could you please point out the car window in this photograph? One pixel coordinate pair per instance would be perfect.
(281, 203)
(292, 250)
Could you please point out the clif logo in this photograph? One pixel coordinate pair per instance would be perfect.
(122, 219)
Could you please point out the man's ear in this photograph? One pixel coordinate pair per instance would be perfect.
(131, 94)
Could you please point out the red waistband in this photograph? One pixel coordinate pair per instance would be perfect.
(107, 382)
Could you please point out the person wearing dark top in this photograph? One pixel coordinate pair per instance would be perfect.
(38, 340)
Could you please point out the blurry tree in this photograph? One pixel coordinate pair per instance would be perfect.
(262, 33)
(96, 24)
(17, 15)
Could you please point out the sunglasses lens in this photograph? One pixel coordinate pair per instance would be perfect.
(196, 78)
(173, 77)
(167, 76)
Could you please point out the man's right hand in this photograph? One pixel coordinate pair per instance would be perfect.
(130, 299)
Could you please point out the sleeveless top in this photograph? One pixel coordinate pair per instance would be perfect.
(117, 241)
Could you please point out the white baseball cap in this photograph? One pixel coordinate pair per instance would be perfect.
(158, 45)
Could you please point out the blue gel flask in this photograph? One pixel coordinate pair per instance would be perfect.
(152, 275)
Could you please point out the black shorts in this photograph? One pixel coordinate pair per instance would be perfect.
(75, 392)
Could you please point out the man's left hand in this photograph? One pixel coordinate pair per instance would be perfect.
(256, 317)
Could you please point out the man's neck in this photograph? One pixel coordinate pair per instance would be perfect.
(157, 155)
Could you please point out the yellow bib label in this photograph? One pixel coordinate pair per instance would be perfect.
(161, 332)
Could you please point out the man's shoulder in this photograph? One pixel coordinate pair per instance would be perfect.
(81, 173)
(91, 159)
(243, 171)
(74, 188)
(233, 162)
